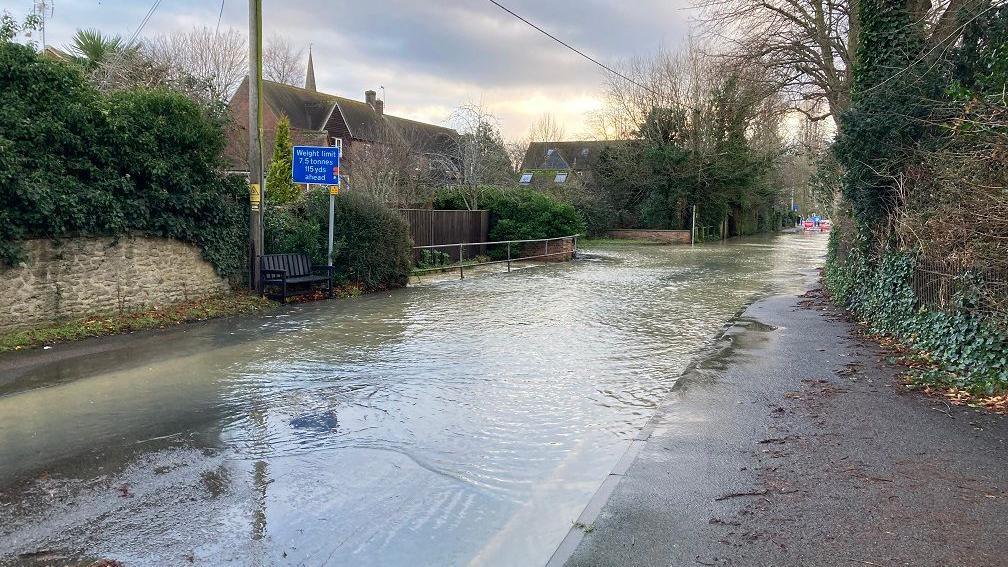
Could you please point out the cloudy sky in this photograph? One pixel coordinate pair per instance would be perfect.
(431, 55)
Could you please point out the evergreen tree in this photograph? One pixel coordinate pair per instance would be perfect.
(279, 188)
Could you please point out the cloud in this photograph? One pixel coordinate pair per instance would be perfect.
(432, 55)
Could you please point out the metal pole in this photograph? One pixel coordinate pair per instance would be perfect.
(693, 230)
(332, 210)
(332, 205)
(255, 141)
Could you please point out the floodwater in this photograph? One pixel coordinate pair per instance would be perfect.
(462, 422)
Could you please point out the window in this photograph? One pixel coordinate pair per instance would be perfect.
(526, 178)
(561, 177)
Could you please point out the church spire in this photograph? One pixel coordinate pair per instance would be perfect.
(309, 82)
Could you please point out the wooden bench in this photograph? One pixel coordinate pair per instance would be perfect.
(290, 274)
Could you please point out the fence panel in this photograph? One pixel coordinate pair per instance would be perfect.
(429, 227)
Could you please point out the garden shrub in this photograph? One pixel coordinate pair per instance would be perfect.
(372, 246)
(521, 214)
(74, 162)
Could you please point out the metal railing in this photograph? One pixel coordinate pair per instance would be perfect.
(940, 285)
(448, 257)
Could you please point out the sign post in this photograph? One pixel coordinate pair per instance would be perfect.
(319, 165)
(692, 238)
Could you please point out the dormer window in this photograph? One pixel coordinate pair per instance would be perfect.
(561, 177)
(526, 178)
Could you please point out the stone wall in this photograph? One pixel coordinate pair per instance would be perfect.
(74, 278)
(669, 236)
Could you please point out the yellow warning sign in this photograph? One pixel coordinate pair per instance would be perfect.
(254, 196)
(334, 189)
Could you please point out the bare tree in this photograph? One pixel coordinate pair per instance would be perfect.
(687, 98)
(392, 167)
(215, 61)
(811, 45)
(284, 63)
(546, 128)
(712, 115)
(516, 149)
(478, 157)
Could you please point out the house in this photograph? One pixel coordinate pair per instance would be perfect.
(319, 119)
(57, 54)
(547, 163)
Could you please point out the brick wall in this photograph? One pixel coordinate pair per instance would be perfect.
(75, 278)
(668, 236)
(558, 250)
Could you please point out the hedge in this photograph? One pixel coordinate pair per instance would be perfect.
(75, 162)
(372, 246)
(521, 214)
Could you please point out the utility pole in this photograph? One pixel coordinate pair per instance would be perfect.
(255, 142)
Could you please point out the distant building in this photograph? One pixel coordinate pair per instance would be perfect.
(318, 118)
(548, 163)
(57, 54)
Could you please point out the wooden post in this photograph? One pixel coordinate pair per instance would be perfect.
(509, 256)
(255, 141)
(461, 267)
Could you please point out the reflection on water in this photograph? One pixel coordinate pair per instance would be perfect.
(458, 423)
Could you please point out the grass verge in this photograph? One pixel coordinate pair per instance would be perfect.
(157, 318)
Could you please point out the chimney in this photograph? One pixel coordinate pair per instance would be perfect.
(370, 97)
(380, 106)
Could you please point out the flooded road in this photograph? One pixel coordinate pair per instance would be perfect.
(466, 422)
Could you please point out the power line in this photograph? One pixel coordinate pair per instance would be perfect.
(571, 47)
(144, 22)
(219, 15)
(129, 44)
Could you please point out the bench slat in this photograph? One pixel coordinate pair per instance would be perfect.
(294, 265)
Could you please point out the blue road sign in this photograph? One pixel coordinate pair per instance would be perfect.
(316, 164)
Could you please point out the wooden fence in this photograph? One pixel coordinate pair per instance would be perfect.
(430, 227)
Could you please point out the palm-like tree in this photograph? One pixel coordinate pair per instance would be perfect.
(92, 48)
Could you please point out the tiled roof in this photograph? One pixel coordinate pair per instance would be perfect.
(310, 110)
(575, 156)
(306, 110)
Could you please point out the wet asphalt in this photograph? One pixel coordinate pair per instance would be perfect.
(793, 443)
